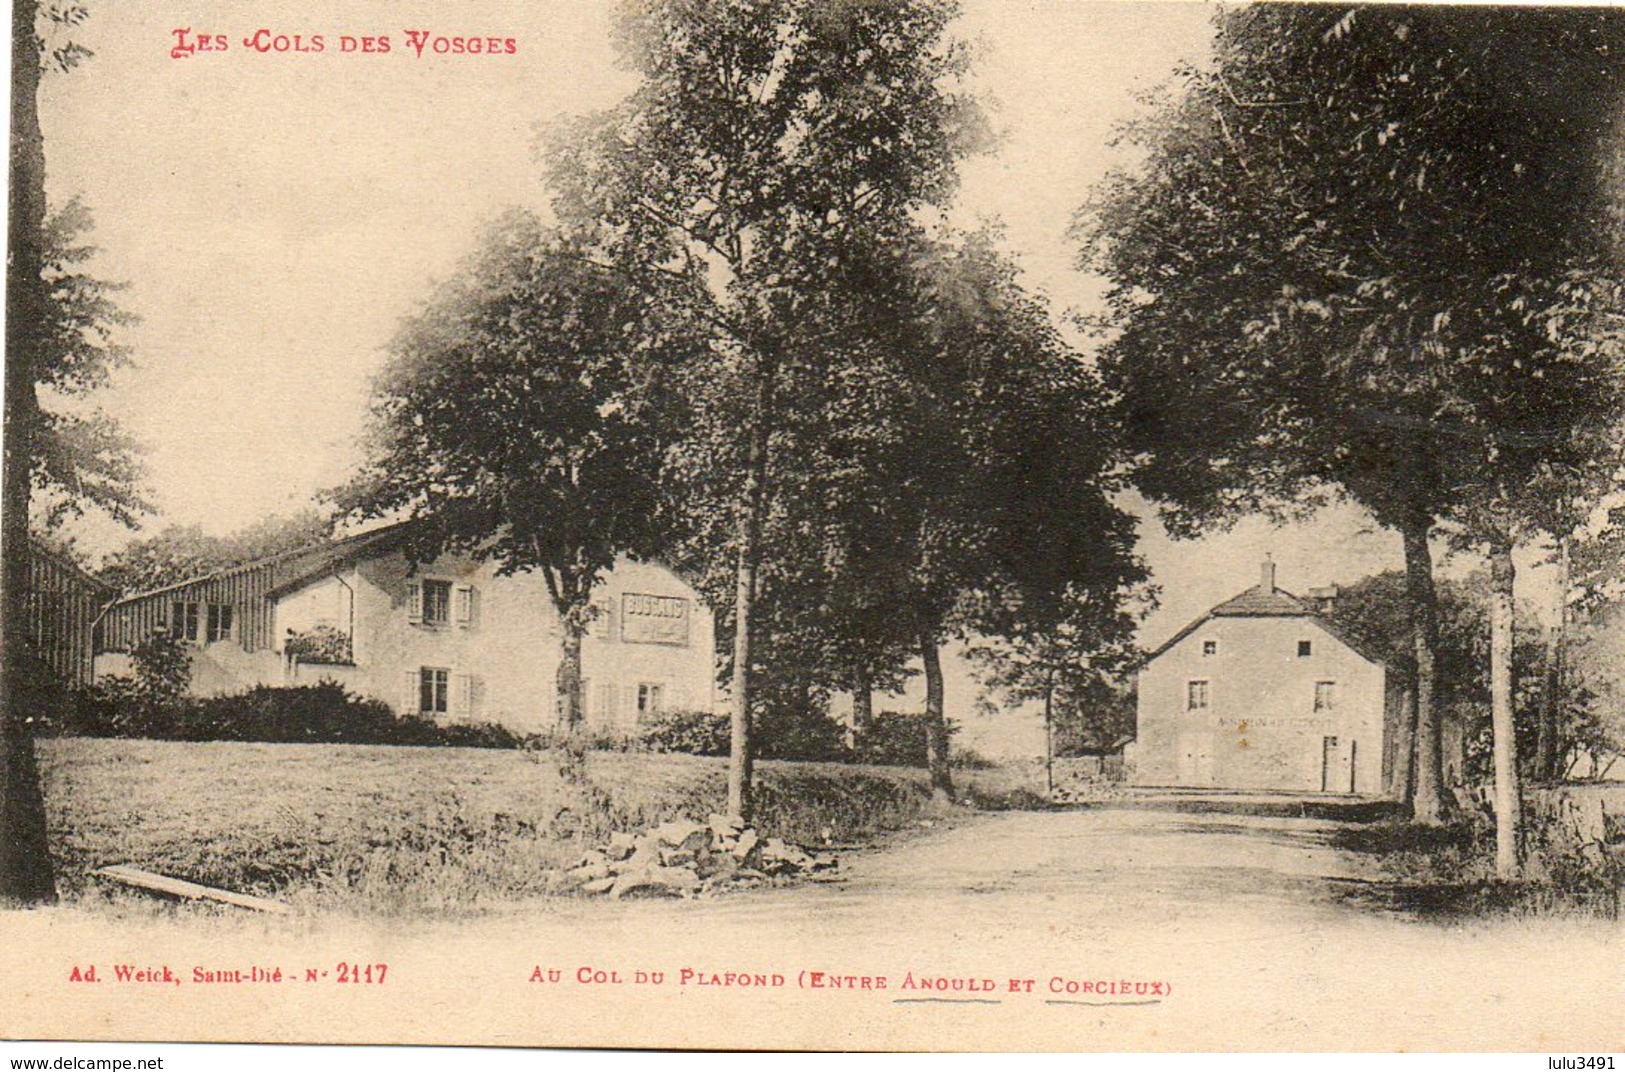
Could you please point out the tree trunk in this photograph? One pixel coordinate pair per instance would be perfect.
(1508, 802)
(570, 712)
(1429, 803)
(1548, 742)
(1049, 737)
(863, 699)
(25, 861)
(936, 721)
(741, 755)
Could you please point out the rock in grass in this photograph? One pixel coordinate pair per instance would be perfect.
(678, 857)
(588, 872)
(645, 856)
(682, 834)
(679, 881)
(746, 842)
(684, 858)
(726, 826)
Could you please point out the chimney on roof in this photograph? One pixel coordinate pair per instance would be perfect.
(1266, 576)
(1324, 599)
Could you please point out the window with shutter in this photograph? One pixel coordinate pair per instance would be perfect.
(434, 691)
(436, 602)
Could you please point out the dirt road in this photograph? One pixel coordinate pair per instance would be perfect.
(1101, 929)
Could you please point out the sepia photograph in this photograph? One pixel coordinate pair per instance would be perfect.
(815, 525)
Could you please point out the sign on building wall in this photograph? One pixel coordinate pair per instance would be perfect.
(647, 619)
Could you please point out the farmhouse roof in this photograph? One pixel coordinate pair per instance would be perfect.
(324, 559)
(1261, 601)
(1257, 602)
(300, 563)
(97, 587)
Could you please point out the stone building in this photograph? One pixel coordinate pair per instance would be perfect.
(1265, 691)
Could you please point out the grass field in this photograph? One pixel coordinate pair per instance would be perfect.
(399, 829)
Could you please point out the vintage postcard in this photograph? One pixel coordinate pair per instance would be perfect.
(1033, 525)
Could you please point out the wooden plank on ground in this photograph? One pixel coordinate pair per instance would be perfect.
(178, 887)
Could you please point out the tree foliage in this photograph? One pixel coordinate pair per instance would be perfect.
(181, 552)
(1346, 234)
(1353, 265)
(83, 459)
(524, 416)
(766, 142)
(1377, 610)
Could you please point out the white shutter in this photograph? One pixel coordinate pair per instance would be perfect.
(411, 696)
(462, 695)
(606, 704)
(414, 602)
(465, 605)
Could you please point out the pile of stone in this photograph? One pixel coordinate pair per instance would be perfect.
(689, 859)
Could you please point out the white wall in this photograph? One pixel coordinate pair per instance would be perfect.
(1260, 729)
(508, 652)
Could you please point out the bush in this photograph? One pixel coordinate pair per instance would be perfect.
(893, 738)
(163, 670)
(968, 759)
(799, 730)
(695, 733)
(47, 705)
(324, 713)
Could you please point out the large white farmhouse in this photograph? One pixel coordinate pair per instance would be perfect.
(449, 639)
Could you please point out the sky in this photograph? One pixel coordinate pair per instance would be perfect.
(276, 215)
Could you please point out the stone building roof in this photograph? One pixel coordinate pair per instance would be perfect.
(1264, 600)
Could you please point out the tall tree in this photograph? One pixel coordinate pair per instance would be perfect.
(764, 139)
(63, 456)
(1067, 654)
(25, 861)
(1323, 212)
(523, 416)
(59, 345)
(1532, 446)
(1001, 463)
